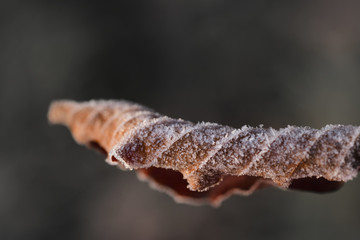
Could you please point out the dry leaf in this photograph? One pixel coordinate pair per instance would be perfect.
(206, 162)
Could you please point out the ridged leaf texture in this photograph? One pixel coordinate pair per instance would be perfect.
(206, 162)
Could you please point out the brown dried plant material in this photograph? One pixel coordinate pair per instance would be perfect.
(207, 162)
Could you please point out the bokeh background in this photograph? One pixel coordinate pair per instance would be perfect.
(234, 62)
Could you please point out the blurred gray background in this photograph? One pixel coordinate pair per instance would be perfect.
(233, 62)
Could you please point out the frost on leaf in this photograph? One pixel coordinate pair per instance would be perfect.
(207, 162)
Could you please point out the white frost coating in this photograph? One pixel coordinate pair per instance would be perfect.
(168, 133)
(333, 137)
(345, 151)
(201, 143)
(170, 143)
(208, 134)
(207, 151)
(320, 161)
(271, 164)
(128, 116)
(128, 136)
(233, 157)
(269, 139)
(318, 134)
(234, 133)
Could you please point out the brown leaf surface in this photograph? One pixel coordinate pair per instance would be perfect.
(207, 162)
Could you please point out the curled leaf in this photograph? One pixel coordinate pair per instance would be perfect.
(206, 162)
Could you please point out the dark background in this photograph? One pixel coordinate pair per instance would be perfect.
(233, 62)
